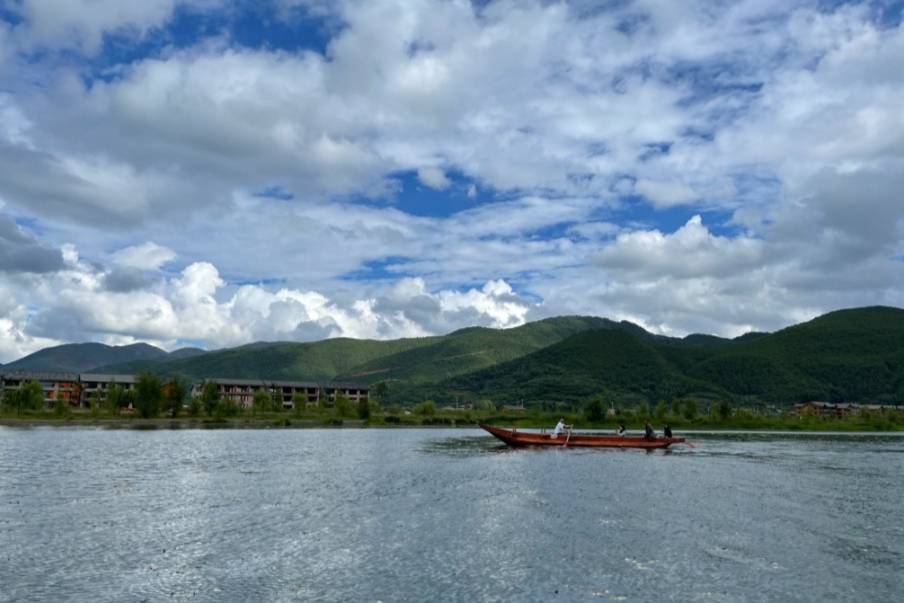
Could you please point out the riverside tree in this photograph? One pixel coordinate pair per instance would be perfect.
(363, 409)
(661, 410)
(210, 397)
(426, 408)
(174, 396)
(115, 395)
(343, 406)
(723, 409)
(485, 405)
(94, 403)
(690, 409)
(594, 409)
(298, 403)
(260, 402)
(61, 406)
(28, 396)
(148, 394)
(276, 397)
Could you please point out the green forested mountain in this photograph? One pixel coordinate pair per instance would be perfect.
(855, 355)
(474, 348)
(846, 355)
(320, 360)
(429, 359)
(80, 357)
(612, 361)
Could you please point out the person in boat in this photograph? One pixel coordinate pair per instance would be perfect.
(648, 432)
(559, 428)
(621, 430)
(666, 430)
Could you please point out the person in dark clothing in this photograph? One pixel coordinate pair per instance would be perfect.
(648, 432)
(666, 430)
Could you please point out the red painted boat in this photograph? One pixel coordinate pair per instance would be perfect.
(513, 437)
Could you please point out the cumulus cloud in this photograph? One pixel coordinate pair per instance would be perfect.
(434, 178)
(689, 251)
(86, 302)
(147, 256)
(81, 24)
(589, 131)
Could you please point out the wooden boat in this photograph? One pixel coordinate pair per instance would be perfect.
(513, 437)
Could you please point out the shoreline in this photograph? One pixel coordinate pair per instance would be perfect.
(195, 423)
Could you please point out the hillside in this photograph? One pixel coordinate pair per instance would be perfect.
(844, 355)
(849, 355)
(81, 357)
(321, 360)
(473, 349)
(611, 361)
(368, 361)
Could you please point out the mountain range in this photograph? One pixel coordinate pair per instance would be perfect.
(847, 355)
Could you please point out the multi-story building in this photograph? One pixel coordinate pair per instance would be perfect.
(56, 386)
(353, 391)
(79, 389)
(99, 384)
(241, 391)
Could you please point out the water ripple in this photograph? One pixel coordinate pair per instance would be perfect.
(417, 515)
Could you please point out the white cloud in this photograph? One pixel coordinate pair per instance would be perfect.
(690, 251)
(434, 178)
(81, 24)
(665, 194)
(147, 256)
(564, 114)
(197, 305)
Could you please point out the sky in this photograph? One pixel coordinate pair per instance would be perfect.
(212, 173)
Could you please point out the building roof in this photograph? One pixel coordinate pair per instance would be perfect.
(278, 383)
(40, 376)
(107, 378)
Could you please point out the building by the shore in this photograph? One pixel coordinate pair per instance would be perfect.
(55, 386)
(241, 391)
(840, 409)
(99, 384)
(78, 389)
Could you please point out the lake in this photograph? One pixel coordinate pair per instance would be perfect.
(440, 514)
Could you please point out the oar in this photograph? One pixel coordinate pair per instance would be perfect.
(565, 445)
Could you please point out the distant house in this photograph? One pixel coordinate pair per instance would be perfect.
(824, 409)
(99, 384)
(56, 386)
(79, 389)
(241, 391)
(838, 410)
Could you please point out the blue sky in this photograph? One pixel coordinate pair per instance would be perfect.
(224, 172)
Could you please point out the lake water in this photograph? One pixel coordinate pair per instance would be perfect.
(450, 515)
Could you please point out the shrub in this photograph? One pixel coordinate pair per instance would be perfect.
(363, 409)
(194, 407)
(425, 408)
(594, 409)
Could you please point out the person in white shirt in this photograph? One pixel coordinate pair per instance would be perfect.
(560, 427)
